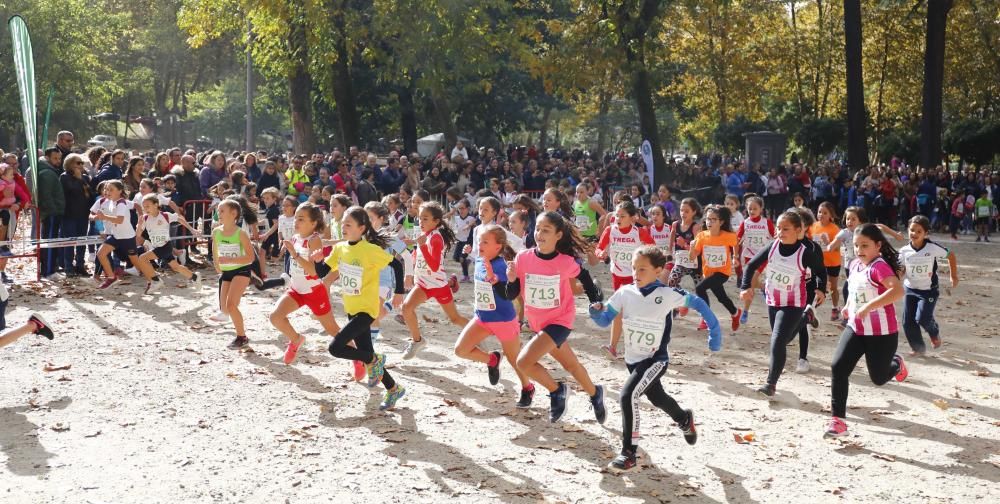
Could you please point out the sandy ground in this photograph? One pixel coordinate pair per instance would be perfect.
(155, 409)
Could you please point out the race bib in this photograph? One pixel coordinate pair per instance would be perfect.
(582, 222)
(414, 233)
(919, 270)
(822, 239)
(983, 211)
(541, 291)
(642, 337)
(158, 239)
(231, 250)
(783, 276)
(683, 259)
(350, 279)
(621, 255)
(286, 231)
(485, 298)
(715, 256)
(754, 243)
(420, 268)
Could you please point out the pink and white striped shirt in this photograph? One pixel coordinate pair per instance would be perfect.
(785, 280)
(863, 285)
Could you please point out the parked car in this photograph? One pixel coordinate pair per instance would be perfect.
(106, 141)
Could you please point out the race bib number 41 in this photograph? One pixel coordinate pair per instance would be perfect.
(541, 291)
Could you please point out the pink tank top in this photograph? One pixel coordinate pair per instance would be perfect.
(545, 287)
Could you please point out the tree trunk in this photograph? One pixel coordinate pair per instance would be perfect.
(880, 104)
(633, 43)
(300, 90)
(931, 120)
(543, 137)
(857, 148)
(407, 118)
(604, 102)
(798, 64)
(342, 83)
(442, 109)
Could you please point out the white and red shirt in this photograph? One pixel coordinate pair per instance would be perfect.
(620, 244)
(785, 277)
(863, 285)
(661, 235)
(301, 282)
(754, 235)
(158, 228)
(428, 263)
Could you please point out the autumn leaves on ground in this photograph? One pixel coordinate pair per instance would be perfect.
(137, 400)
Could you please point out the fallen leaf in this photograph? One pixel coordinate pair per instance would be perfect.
(738, 438)
(982, 372)
(93, 434)
(64, 379)
(940, 403)
(750, 437)
(880, 456)
(60, 427)
(450, 402)
(572, 428)
(49, 367)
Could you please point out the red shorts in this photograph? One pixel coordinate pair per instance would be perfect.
(318, 300)
(443, 295)
(617, 281)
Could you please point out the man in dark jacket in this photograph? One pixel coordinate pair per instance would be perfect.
(189, 189)
(391, 178)
(51, 207)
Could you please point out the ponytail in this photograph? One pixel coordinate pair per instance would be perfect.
(571, 243)
(371, 235)
(888, 252)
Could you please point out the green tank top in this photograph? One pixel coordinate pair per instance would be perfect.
(586, 218)
(229, 246)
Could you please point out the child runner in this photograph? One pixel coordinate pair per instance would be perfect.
(824, 231)
(429, 274)
(736, 218)
(463, 223)
(233, 255)
(755, 233)
(390, 292)
(853, 217)
(494, 311)
(871, 329)
(984, 211)
(357, 261)
(920, 263)
(715, 246)
(646, 308)
(618, 242)
(116, 213)
(304, 285)
(156, 224)
(544, 272)
(787, 259)
(35, 325)
(587, 212)
(682, 236)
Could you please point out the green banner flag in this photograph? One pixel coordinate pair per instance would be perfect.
(24, 69)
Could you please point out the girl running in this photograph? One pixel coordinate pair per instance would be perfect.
(390, 292)
(755, 233)
(715, 247)
(35, 325)
(920, 264)
(156, 224)
(682, 236)
(587, 211)
(787, 261)
(429, 274)
(463, 224)
(116, 214)
(736, 218)
(494, 311)
(233, 255)
(853, 217)
(871, 329)
(357, 261)
(823, 232)
(545, 273)
(305, 248)
(646, 307)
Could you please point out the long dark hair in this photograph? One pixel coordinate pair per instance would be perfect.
(571, 243)
(438, 213)
(371, 235)
(889, 253)
(248, 213)
(723, 214)
(564, 204)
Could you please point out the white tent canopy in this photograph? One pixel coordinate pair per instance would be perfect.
(429, 145)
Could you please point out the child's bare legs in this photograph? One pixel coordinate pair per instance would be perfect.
(415, 298)
(279, 319)
(511, 348)
(527, 360)
(16, 333)
(467, 345)
(232, 302)
(452, 312)
(102, 257)
(567, 359)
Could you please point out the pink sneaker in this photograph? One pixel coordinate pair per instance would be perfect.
(359, 371)
(903, 373)
(108, 282)
(453, 283)
(703, 326)
(836, 429)
(290, 352)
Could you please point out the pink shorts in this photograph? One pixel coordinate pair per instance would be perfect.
(504, 331)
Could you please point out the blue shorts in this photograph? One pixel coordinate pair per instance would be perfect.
(165, 254)
(557, 333)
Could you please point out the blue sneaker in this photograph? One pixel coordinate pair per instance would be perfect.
(744, 317)
(375, 370)
(557, 403)
(391, 397)
(597, 401)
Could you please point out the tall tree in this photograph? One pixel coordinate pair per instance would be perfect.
(857, 139)
(931, 126)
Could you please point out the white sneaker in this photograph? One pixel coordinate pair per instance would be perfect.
(802, 367)
(219, 318)
(132, 271)
(183, 258)
(413, 347)
(153, 286)
(91, 257)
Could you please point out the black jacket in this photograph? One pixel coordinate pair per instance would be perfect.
(78, 195)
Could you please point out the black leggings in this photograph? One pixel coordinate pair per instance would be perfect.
(784, 326)
(804, 326)
(878, 352)
(358, 329)
(717, 284)
(645, 379)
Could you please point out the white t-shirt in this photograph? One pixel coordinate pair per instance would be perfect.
(286, 227)
(920, 266)
(158, 228)
(462, 226)
(644, 319)
(121, 208)
(163, 200)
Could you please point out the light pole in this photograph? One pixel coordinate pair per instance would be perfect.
(249, 132)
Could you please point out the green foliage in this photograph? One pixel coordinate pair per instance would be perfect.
(729, 136)
(819, 136)
(901, 142)
(974, 140)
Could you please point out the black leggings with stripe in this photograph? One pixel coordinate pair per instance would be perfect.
(358, 329)
(717, 284)
(644, 378)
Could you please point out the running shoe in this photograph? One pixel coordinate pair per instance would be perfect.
(557, 403)
(744, 316)
(219, 318)
(153, 286)
(465, 279)
(802, 367)
(836, 429)
(703, 326)
(290, 352)
(392, 397)
(834, 314)
(413, 347)
(42, 327)
(108, 282)
(238, 343)
(399, 319)
(597, 402)
(375, 370)
(493, 368)
(132, 271)
(682, 311)
(600, 290)
(766, 389)
(624, 462)
(936, 341)
(903, 373)
(736, 319)
(6, 279)
(257, 281)
(195, 279)
(810, 315)
(120, 272)
(453, 283)
(359, 370)
(527, 395)
(611, 351)
(689, 430)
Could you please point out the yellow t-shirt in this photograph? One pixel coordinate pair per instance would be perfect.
(361, 264)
